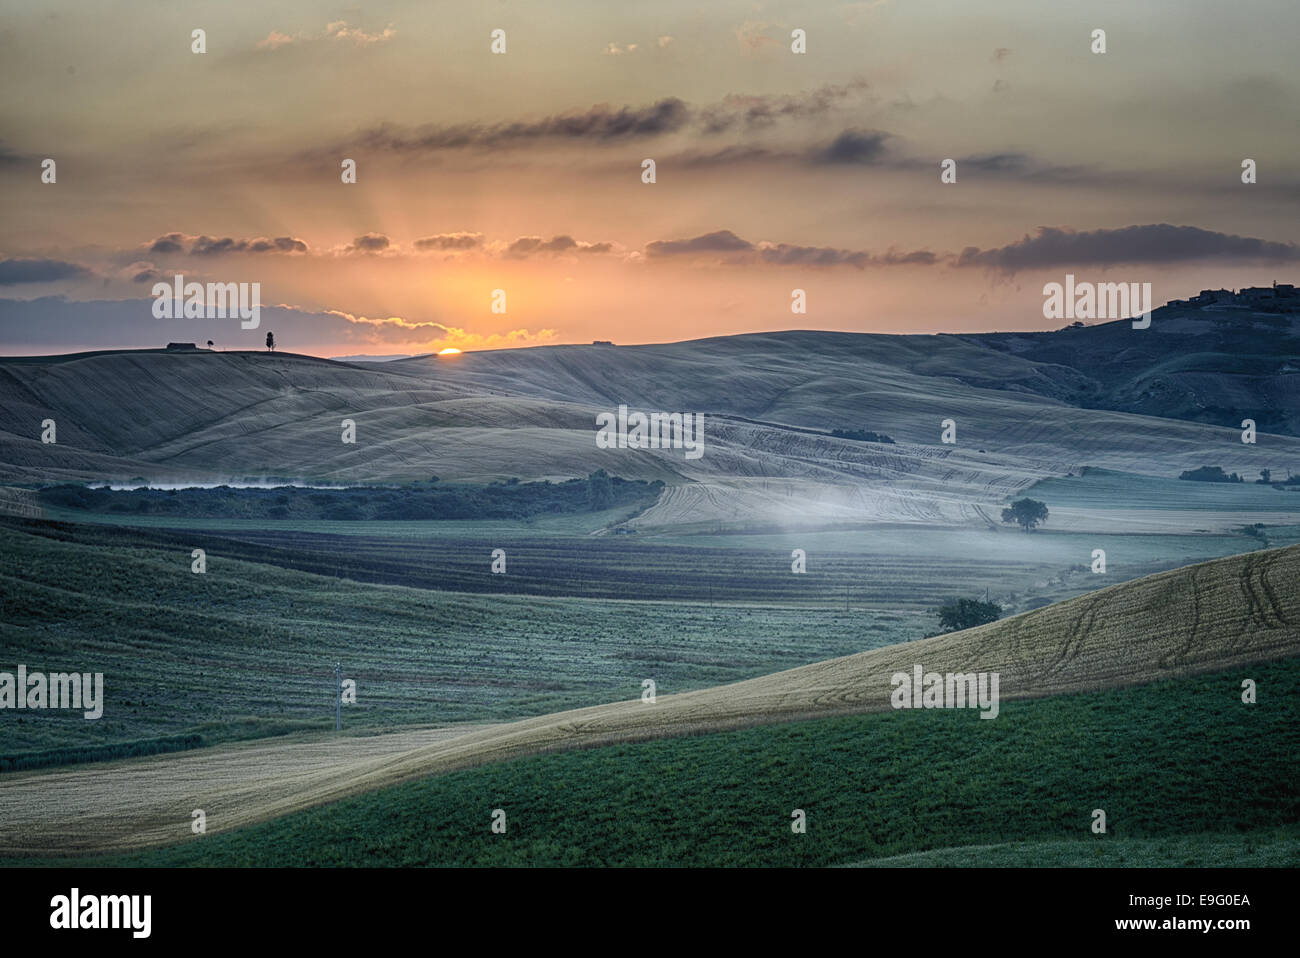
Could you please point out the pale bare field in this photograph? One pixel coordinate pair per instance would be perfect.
(531, 413)
(1201, 618)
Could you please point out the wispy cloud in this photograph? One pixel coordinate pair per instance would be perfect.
(604, 123)
(529, 245)
(337, 31)
(203, 245)
(437, 335)
(753, 35)
(450, 241)
(369, 243)
(751, 111)
(865, 147)
(141, 271)
(726, 246)
(599, 123)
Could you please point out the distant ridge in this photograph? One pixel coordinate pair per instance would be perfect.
(363, 358)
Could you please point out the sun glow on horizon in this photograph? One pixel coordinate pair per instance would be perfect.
(449, 351)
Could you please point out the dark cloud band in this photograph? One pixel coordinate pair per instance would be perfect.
(16, 271)
(1153, 243)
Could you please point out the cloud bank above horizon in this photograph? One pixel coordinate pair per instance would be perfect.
(478, 171)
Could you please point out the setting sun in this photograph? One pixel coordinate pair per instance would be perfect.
(449, 351)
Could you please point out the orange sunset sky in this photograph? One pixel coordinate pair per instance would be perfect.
(522, 171)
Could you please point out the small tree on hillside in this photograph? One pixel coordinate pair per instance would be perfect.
(961, 614)
(1027, 513)
(270, 341)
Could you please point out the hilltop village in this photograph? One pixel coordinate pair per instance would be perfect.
(1278, 298)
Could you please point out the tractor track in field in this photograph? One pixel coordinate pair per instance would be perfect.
(1265, 610)
(1177, 655)
(1255, 579)
(1079, 631)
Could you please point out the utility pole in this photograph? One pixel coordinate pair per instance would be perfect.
(338, 700)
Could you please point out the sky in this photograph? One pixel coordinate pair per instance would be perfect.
(522, 171)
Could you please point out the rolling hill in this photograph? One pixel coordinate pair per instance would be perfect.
(770, 400)
(1203, 618)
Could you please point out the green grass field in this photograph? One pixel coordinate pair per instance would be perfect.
(1264, 848)
(1182, 768)
(249, 648)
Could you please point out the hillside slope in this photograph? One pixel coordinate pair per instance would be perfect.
(769, 400)
(1205, 365)
(1231, 611)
